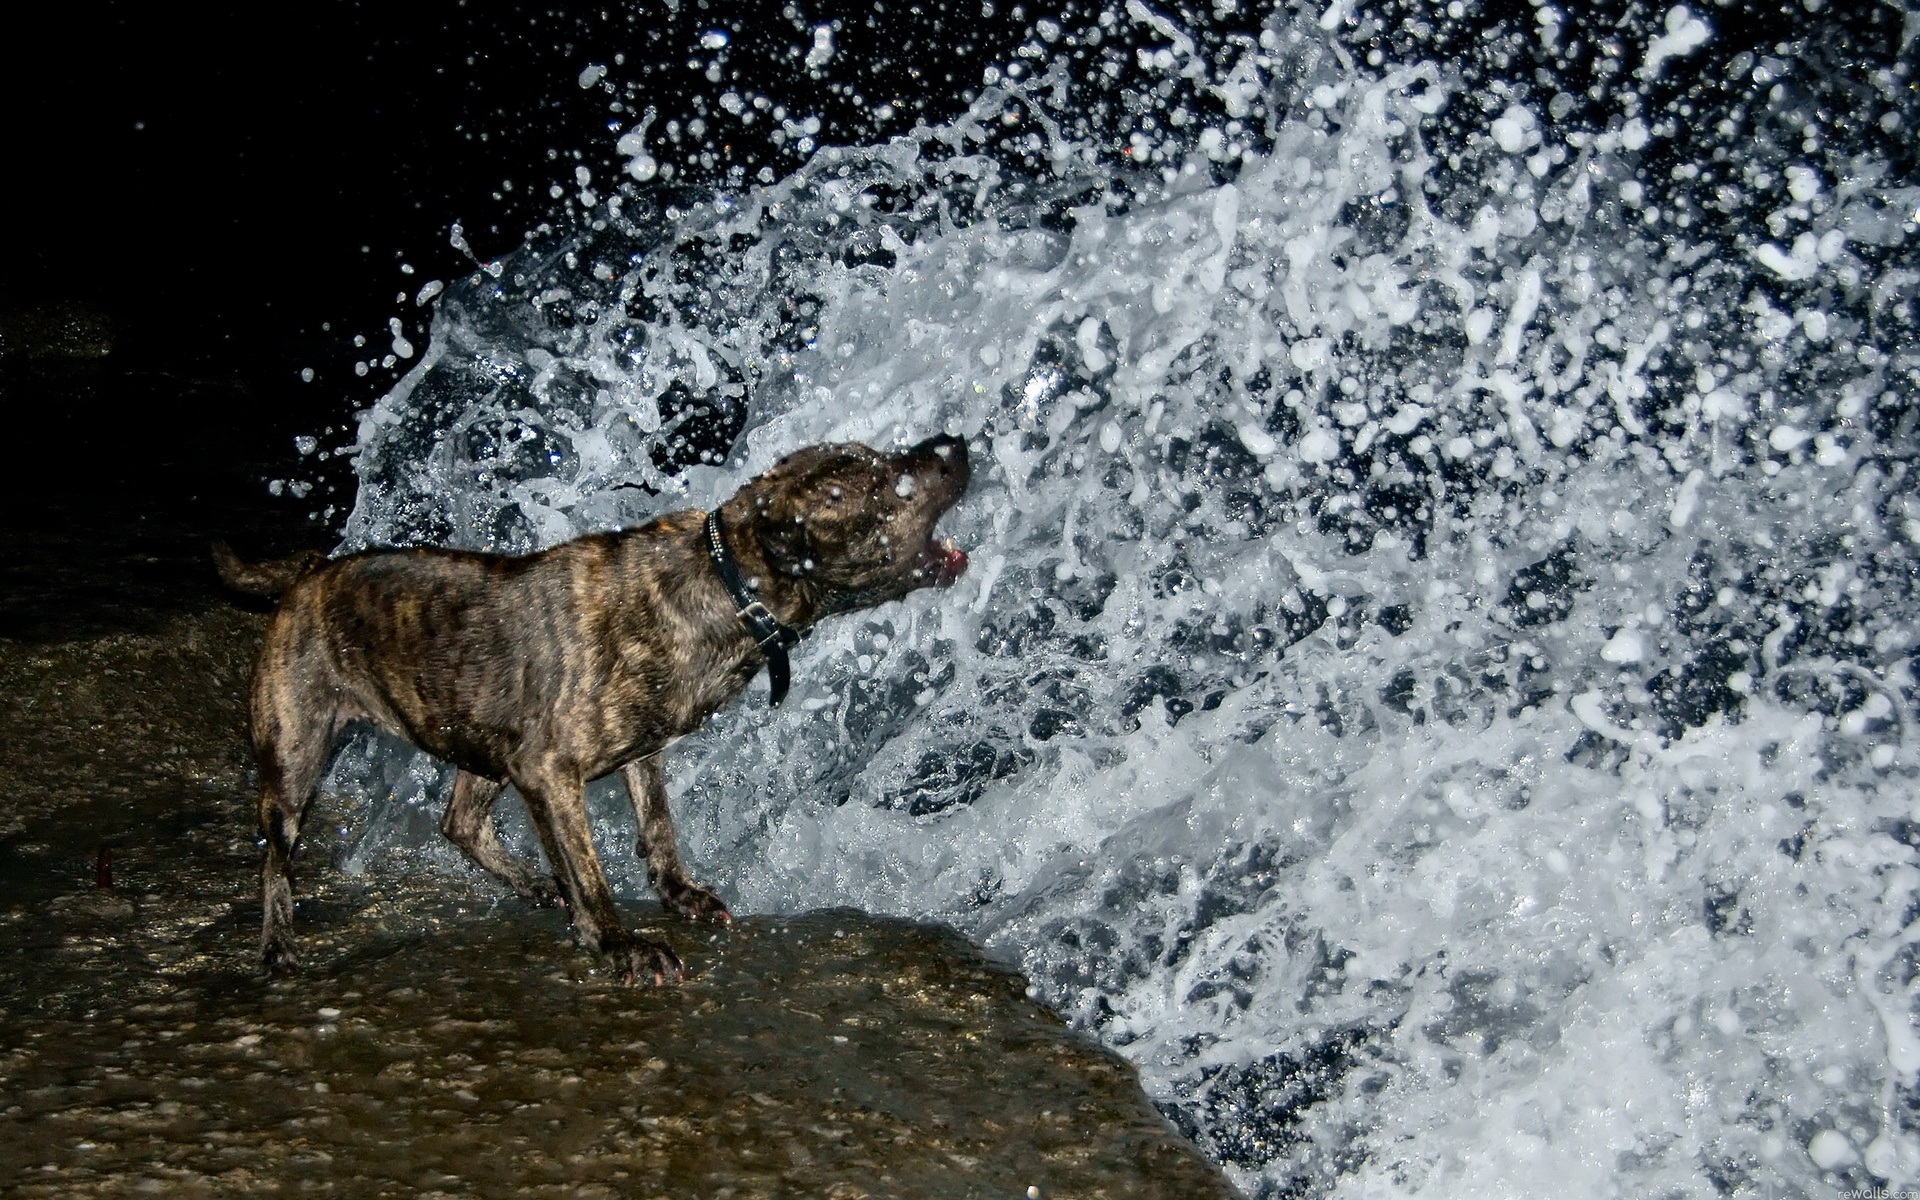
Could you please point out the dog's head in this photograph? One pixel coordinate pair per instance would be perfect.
(853, 525)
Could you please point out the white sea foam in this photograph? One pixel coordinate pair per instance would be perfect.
(1685, 34)
(1434, 680)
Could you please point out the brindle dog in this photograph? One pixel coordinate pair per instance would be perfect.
(551, 669)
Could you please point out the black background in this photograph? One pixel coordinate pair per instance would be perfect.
(224, 179)
(233, 189)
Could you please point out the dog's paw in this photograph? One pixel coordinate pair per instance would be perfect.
(640, 961)
(278, 956)
(542, 891)
(693, 902)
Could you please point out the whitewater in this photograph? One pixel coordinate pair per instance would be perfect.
(1434, 682)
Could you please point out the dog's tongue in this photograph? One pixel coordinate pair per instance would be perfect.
(949, 565)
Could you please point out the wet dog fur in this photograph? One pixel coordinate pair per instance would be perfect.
(549, 670)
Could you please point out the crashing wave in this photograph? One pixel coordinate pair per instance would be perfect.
(1433, 685)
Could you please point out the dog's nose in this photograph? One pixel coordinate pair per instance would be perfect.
(948, 452)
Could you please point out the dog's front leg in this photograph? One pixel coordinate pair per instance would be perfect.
(647, 787)
(557, 804)
(468, 824)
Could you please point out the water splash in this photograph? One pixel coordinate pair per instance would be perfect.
(1434, 683)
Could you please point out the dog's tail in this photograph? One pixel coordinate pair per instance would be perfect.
(265, 578)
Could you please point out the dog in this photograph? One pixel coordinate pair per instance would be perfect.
(551, 669)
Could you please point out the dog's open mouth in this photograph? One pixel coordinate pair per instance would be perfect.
(946, 561)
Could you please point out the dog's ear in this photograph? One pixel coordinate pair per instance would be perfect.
(788, 545)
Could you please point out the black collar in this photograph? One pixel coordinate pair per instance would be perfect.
(763, 627)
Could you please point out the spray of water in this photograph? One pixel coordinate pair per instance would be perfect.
(1434, 684)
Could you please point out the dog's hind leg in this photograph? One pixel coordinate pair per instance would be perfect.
(558, 807)
(293, 740)
(468, 824)
(660, 846)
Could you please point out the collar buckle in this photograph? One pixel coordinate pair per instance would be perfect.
(762, 626)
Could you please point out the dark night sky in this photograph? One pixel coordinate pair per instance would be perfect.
(210, 173)
(226, 182)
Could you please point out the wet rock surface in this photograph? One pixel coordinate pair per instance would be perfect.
(827, 1055)
(444, 1040)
